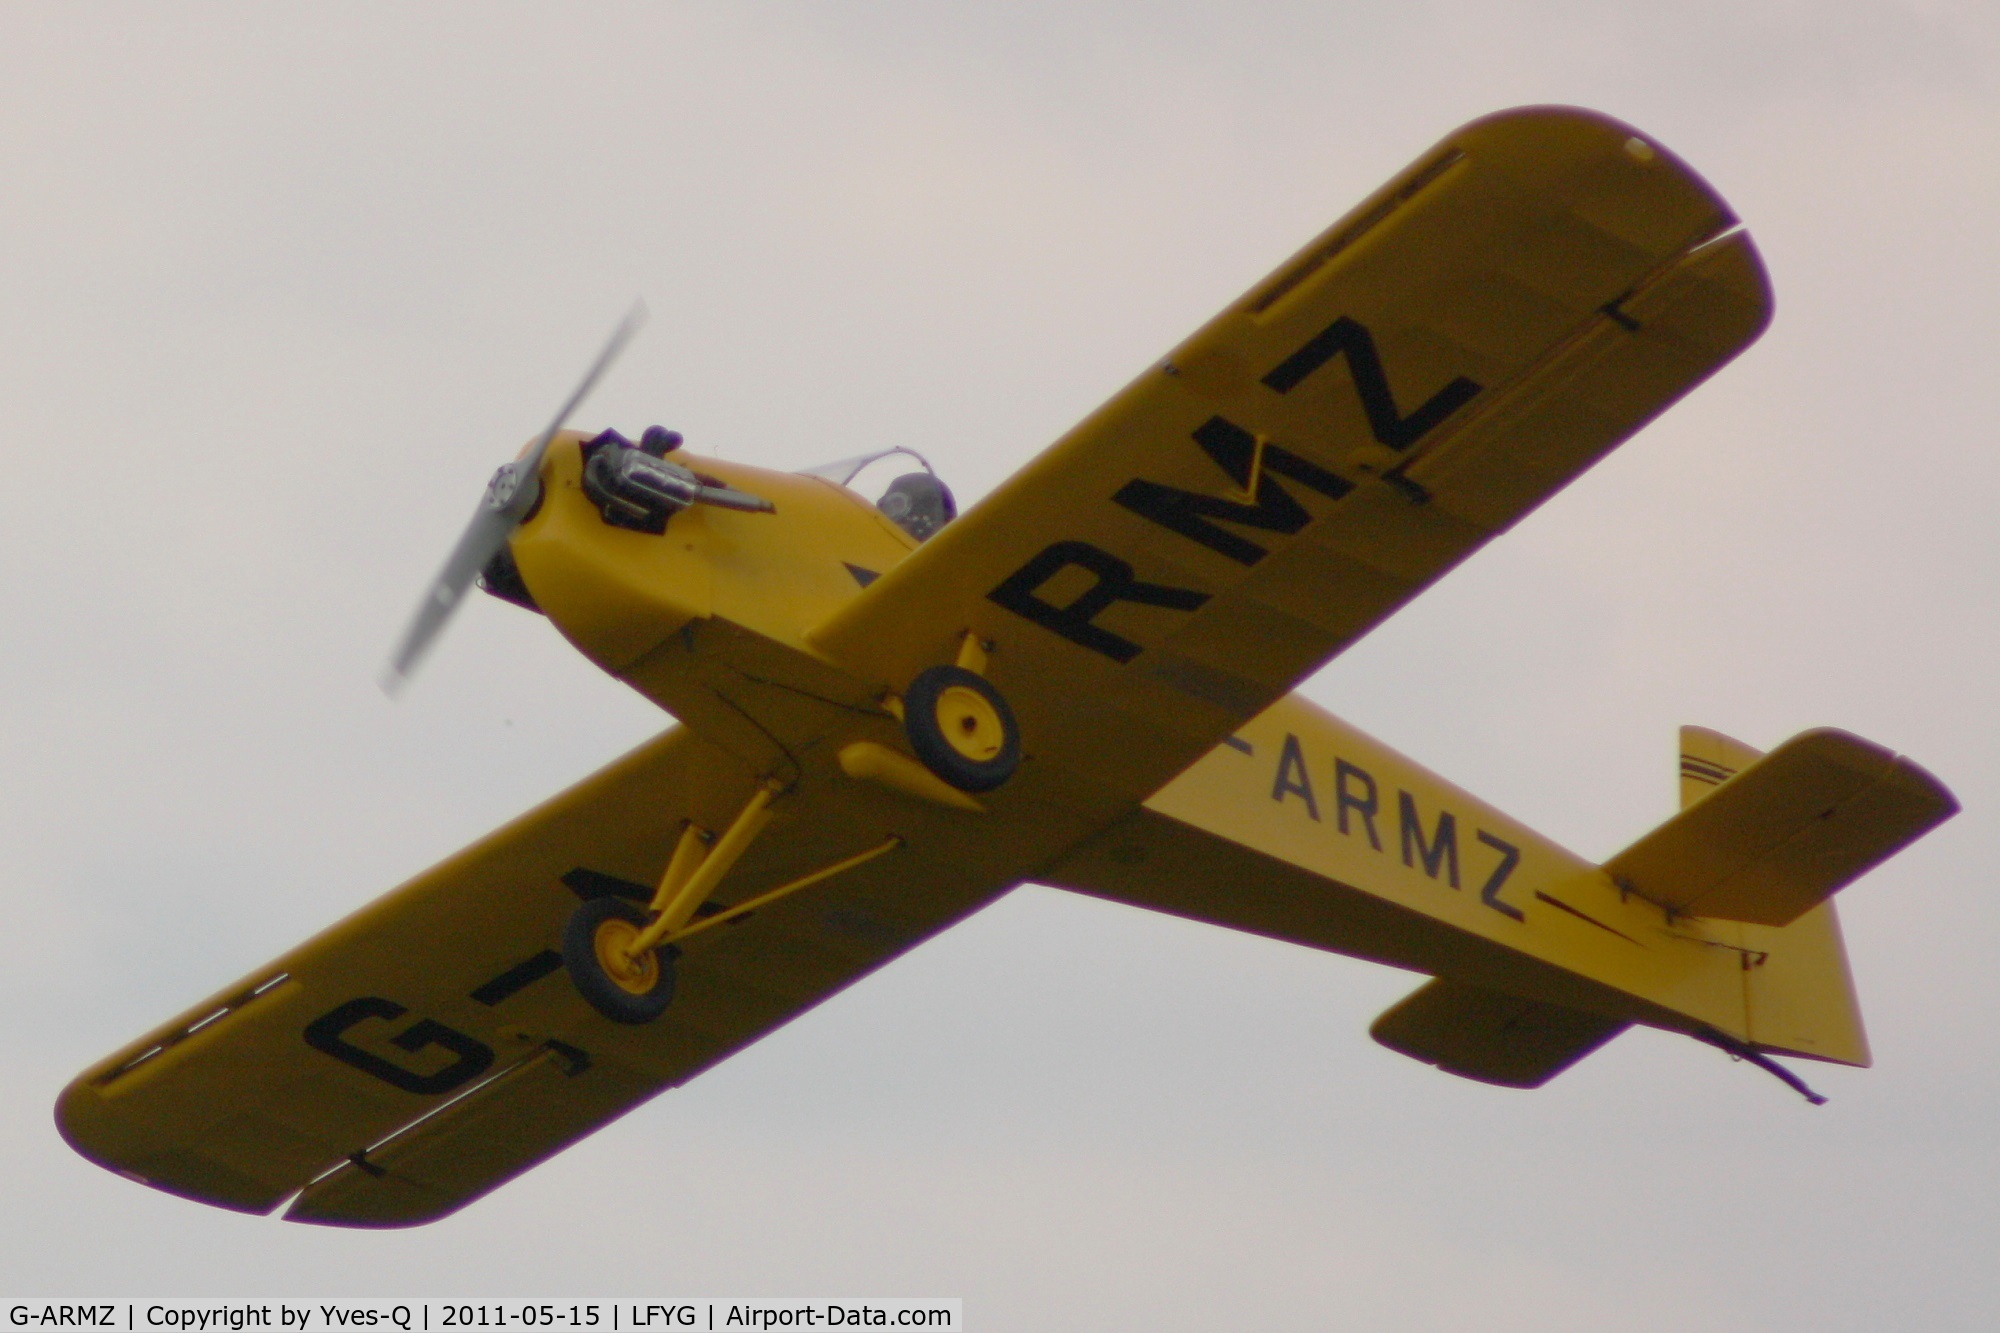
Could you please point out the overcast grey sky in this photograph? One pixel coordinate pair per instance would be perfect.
(279, 286)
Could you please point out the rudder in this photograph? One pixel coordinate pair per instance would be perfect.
(1798, 991)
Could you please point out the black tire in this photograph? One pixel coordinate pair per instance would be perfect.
(973, 747)
(646, 992)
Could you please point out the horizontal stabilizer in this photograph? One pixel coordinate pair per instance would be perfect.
(1787, 832)
(1490, 1037)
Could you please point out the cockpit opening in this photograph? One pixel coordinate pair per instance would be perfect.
(917, 502)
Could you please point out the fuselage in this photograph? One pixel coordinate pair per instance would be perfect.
(711, 619)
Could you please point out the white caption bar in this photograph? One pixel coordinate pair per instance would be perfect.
(656, 1315)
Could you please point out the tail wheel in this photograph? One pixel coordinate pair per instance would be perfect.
(962, 728)
(597, 949)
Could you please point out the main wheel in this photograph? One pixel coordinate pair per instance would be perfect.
(962, 728)
(597, 950)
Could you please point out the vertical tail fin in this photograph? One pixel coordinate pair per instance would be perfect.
(1709, 759)
(1798, 994)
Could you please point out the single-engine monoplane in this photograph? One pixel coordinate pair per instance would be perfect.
(890, 715)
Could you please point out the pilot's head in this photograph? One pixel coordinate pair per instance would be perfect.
(919, 504)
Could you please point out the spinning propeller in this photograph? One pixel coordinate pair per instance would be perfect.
(509, 496)
(635, 487)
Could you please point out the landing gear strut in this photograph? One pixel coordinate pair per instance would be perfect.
(621, 956)
(612, 947)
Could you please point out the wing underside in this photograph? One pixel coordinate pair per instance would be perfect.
(430, 1047)
(1411, 384)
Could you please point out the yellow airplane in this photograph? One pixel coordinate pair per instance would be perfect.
(891, 715)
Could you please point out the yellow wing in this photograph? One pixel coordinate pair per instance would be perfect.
(430, 1047)
(1409, 385)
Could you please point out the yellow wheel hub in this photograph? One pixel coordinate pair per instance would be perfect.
(970, 723)
(613, 945)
